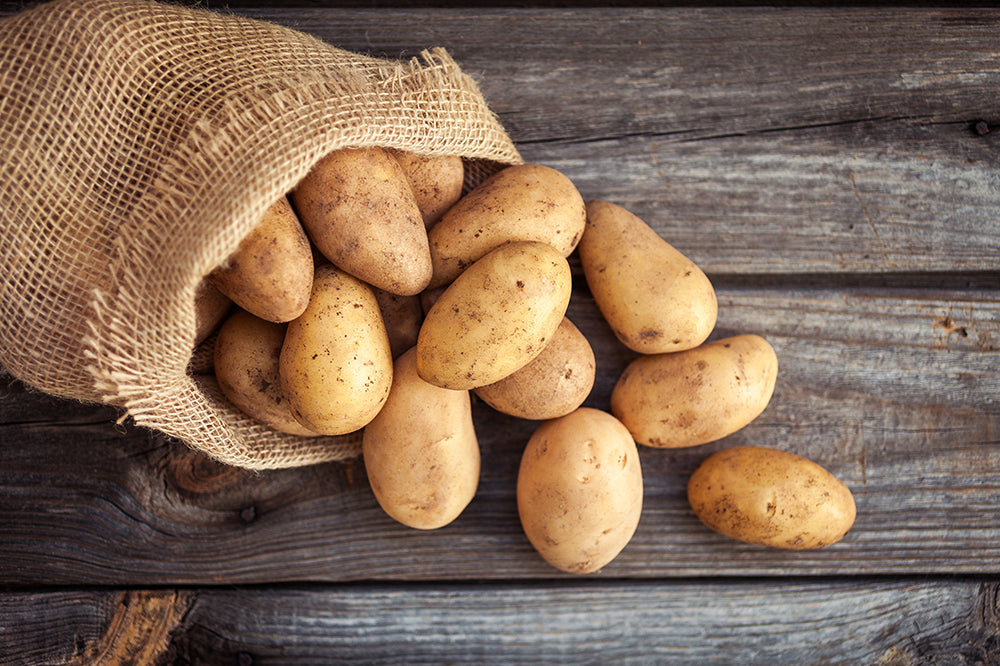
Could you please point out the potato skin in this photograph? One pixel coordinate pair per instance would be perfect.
(553, 384)
(421, 452)
(211, 308)
(436, 181)
(696, 396)
(359, 209)
(579, 490)
(336, 364)
(402, 316)
(524, 202)
(270, 274)
(772, 498)
(246, 367)
(495, 318)
(655, 299)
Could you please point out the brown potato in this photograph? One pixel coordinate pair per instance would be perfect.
(655, 299)
(526, 202)
(211, 307)
(771, 498)
(553, 384)
(271, 272)
(579, 490)
(437, 182)
(402, 316)
(496, 317)
(696, 396)
(359, 209)
(421, 452)
(246, 367)
(336, 365)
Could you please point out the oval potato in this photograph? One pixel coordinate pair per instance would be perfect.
(496, 317)
(246, 356)
(579, 490)
(359, 209)
(271, 272)
(421, 452)
(696, 396)
(336, 364)
(553, 384)
(436, 181)
(772, 498)
(655, 299)
(211, 307)
(525, 202)
(402, 316)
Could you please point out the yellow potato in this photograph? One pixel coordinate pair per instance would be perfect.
(553, 384)
(246, 367)
(496, 317)
(271, 272)
(336, 365)
(696, 396)
(402, 316)
(421, 452)
(211, 307)
(359, 209)
(526, 202)
(579, 490)
(654, 298)
(437, 182)
(771, 498)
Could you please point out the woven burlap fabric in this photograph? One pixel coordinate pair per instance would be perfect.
(139, 143)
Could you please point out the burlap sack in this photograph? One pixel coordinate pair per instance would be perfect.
(139, 142)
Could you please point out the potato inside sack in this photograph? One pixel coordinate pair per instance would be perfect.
(553, 384)
(246, 355)
(526, 202)
(496, 317)
(270, 274)
(420, 452)
(696, 396)
(358, 208)
(772, 498)
(655, 299)
(436, 181)
(579, 490)
(336, 364)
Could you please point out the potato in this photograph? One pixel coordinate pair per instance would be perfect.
(359, 209)
(526, 202)
(271, 272)
(402, 316)
(495, 318)
(336, 364)
(771, 498)
(211, 307)
(421, 452)
(579, 490)
(246, 366)
(696, 396)
(655, 299)
(553, 384)
(436, 181)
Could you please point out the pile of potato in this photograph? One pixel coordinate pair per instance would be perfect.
(375, 297)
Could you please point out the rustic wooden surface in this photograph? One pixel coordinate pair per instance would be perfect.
(835, 171)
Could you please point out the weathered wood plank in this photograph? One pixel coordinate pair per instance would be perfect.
(894, 390)
(726, 622)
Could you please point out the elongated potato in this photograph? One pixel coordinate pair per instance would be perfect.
(496, 317)
(526, 202)
(421, 452)
(437, 182)
(655, 299)
(696, 396)
(270, 274)
(553, 384)
(771, 498)
(211, 307)
(359, 209)
(247, 350)
(336, 364)
(579, 490)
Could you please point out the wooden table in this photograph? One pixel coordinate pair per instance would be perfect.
(836, 172)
